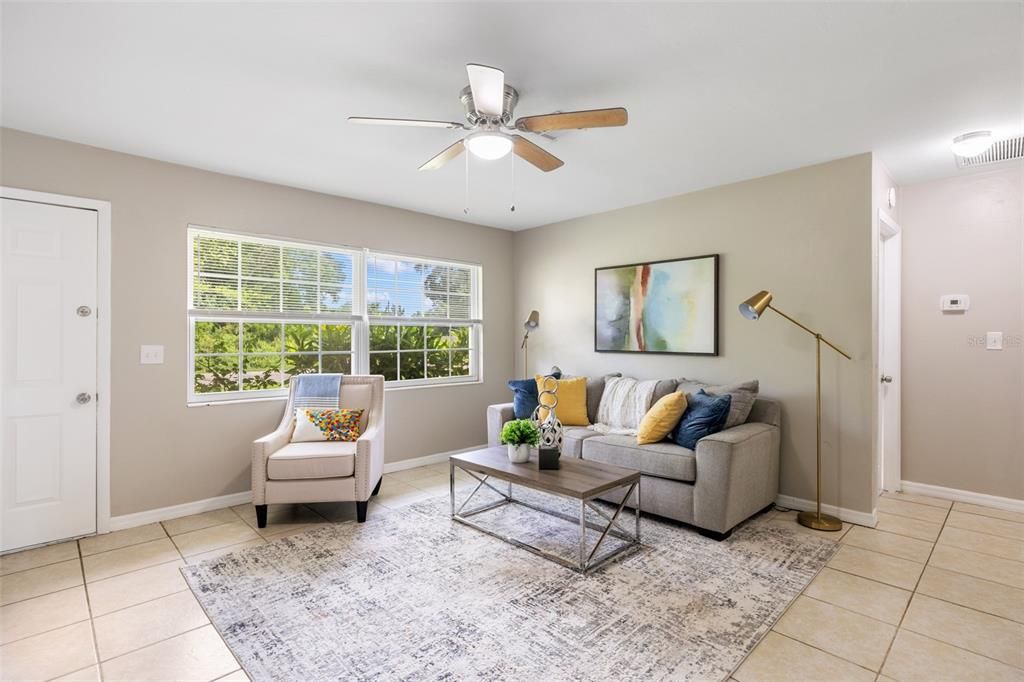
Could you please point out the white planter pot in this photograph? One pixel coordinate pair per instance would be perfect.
(518, 454)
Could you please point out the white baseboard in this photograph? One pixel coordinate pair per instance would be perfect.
(1006, 503)
(849, 515)
(199, 506)
(178, 510)
(437, 458)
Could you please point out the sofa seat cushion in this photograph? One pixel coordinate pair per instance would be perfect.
(323, 459)
(664, 459)
(572, 440)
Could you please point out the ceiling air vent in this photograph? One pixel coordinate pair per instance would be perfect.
(1001, 150)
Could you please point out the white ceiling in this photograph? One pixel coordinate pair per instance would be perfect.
(716, 92)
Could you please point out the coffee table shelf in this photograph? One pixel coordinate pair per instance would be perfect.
(576, 479)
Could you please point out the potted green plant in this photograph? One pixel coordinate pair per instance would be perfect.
(519, 435)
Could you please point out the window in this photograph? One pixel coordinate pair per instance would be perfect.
(263, 310)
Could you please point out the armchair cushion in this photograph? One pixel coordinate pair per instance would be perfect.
(330, 424)
(322, 459)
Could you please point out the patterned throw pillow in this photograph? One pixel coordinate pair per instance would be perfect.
(333, 425)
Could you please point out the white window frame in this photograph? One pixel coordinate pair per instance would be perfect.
(359, 318)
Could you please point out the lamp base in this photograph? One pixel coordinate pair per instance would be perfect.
(819, 521)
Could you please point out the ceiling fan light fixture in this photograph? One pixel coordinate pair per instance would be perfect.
(489, 145)
(972, 144)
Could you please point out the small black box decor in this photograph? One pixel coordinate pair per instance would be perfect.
(547, 458)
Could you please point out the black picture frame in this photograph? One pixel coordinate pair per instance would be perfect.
(715, 259)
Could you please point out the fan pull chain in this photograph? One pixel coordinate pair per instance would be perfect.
(465, 207)
(513, 208)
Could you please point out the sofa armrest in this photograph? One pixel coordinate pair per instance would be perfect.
(497, 415)
(369, 460)
(737, 475)
(262, 449)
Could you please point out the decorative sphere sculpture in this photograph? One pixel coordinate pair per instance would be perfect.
(550, 427)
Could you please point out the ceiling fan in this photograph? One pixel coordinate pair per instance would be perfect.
(489, 104)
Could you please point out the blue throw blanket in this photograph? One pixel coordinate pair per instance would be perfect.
(317, 390)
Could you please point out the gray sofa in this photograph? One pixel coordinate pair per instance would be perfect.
(732, 474)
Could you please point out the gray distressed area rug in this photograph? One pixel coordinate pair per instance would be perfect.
(412, 595)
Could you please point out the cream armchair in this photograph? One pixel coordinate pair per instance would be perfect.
(286, 472)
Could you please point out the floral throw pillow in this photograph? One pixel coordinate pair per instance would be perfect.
(332, 424)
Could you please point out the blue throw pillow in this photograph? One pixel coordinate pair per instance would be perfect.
(705, 414)
(524, 396)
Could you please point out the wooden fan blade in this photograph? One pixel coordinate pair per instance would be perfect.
(571, 120)
(540, 158)
(444, 157)
(488, 87)
(414, 122)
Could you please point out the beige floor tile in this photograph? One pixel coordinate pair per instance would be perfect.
(36, 582)
(409, 475)
(867, 597)
(40, 556)
(919, 499)
(912, 510)
(989, 511)
(196, 655)
(128, 559)
(129, 629)
(916, 658)
(221, 551)
(49, 612)
(983, 566)
(214, 537)
(881, 567)
(842, 633)
(889, 543)
(781, 658)
(399, 494)
(986, 524)
(121, 538)
(136, 587)
(48, 655)
(983, 595)
(788, 519)
(914, 528)
(90, 674)
(966, 628)
(984, 543)
(186, 524)
(286, 517)
(237, 676)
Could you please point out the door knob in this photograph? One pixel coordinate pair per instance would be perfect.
(83, 398)
(886, 379)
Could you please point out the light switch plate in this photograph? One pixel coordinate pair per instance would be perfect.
(151, 355)
(994, 341)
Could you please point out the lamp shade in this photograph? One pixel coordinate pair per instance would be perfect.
(532, 322)
(755, 305)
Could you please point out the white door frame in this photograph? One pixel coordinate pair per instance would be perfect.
(889, 246)
(103, 315)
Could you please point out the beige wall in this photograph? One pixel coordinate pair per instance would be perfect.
(164, 453)
(963, 406)
(804, 234)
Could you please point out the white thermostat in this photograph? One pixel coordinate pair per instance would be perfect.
(955, 303)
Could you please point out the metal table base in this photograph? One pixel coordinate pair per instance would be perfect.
(586, 561)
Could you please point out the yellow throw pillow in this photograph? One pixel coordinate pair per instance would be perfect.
(572, 401)
(661, 418)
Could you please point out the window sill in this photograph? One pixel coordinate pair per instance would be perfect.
(272, 398)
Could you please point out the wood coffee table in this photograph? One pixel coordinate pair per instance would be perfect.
(577, 479)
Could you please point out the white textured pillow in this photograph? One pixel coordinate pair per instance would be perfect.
(624, 403)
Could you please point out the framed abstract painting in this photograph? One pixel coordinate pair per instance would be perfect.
(668, 306)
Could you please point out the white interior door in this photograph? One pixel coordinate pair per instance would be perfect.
(48, 372)
(889, 344)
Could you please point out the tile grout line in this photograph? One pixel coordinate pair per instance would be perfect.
(913, 593)
(88, 605)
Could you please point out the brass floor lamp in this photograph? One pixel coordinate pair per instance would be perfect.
(752, 309)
